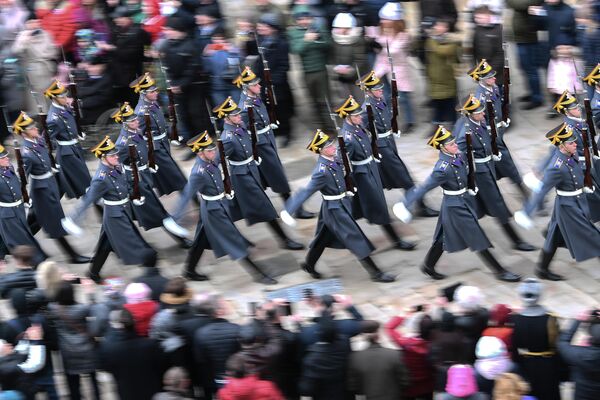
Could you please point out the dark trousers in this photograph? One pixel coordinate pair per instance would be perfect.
(529, 61)
(317, 85)
(193, 112)
(444, 110)
(73, 381)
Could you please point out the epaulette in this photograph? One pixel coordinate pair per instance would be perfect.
(322, 167)
(54, 117)
(347, 135)
(226, 135)
(198, 169)
(25, 149)
(558, 163)
(102, 175)
(121, 140)
(442, 165)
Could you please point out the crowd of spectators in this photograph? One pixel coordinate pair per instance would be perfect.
(200, 345)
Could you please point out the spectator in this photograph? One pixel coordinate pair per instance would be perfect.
(472, 318)
(222, 63)
(141, 307)
(461, 384)
(113, 300)
(56, 17)
(511, 387)
(88, 15)
(151, 276)
(415, 351)
(176, 384)
(260, 345)
(207, 22)
(376, 372)
(365, 15)
(95, 91)
(48, 278)
(562, 75)
(498, 325)
(492, 361)
(430, 12)
(264, 7)
(584, 360)
(488, 39)
(12, 19)
(24, 276)
(241, 385)
(588, 19)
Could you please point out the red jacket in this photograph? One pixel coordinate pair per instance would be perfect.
(416, 352)
(142, 315)
(249, 388)
(60, 23)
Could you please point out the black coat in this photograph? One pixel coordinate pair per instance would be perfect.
(182, 60)
(487, 43)
(471, 326)
(96, 96)
(324, 371)
(128, 57)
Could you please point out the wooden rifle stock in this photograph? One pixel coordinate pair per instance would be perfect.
(149, 140)
(44, 126)
(174, 134)
(394, 86)
(347, 175)
(491, 113)
(21, 172)
(76, 105)
(253, 135)
(135, 194)
(471, 184)
(371, 118)
(591, 126)
(271, 100)
(223, 161)
(587, 175)
(506, 93)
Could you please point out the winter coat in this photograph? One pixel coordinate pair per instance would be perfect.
(96, 95)
(524, 25)
(128, 57)
(313, 55)
(399, 51)
(22, 278)
(249, 388)
(437, 9)
(442, 54)
(471, 325)
(91, 19)
(487, 43)
(142, 314)
(60, 23)
(323, 371)
(560, 24)
(349, 50)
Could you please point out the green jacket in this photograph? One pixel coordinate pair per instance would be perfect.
(442, 55)
(523, 24)
(313, 55)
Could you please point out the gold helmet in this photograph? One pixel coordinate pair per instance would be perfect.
(106, 147)
(201, 142)
(319, 141)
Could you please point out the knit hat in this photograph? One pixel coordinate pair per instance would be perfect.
(461, 381)
(530, 291)
(392, 11)
(137, 292)
(469, 298)
(344, 20)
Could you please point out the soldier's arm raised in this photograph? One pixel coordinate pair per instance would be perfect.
(317, 181)
(190, 190)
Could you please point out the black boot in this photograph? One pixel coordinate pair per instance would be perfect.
(257, 274)
(398, 242)
(189, 271)
(424, 211)
(375, 273)
(301, 213)
(543, 269)
(286, 242)
(74, 257)
(314, 253)
(34, 225)
(500, 273)
(102, 252)
(431, 259)
(518, 243)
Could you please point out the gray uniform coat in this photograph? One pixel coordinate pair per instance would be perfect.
(570, 225)
(392, 169)
(489, 200)
(457, 227)
(336, 225)
(271, 169)
(169, 177)
(150, 214)
(74, 176)
(250, 198)
(44, 193)
(117, 222)
(369, 202)
(215, 223)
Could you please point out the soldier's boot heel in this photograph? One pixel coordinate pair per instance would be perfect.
(286, 242)
(499, 272)
(98, 262)
(193, 258)
(431, 259)
(398, 242)
(518, 243)
(257, 274)
(424, 211)
(74, 257)
(375, 273)
(543, 269)
(314, 253)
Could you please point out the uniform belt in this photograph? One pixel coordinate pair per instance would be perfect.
(213, 198)
(263, 130)
(455, 192)
(67, 142)
(244, 162)
(362, 162)
(140, 167)
(115, 202)
(159, 137)
(385, 134)
(527, 353)
(47, 175)
(482, 160)
(13, 204)
(569, 193)
(334, 196)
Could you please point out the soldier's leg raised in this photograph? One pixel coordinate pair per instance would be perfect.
(499, 271)
(200, 243)
(431, 259)
(286, 242)
(398, 242)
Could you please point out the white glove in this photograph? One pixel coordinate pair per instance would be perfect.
(532, 182)
(349, 193)
(401, 212)
(139, 202)
(174, 228)
(397, 134)
(377, 160)
(177, 142)
(259, 161)
(28, 204)
(589, 190)
(71, 227)
(506, 123)
(230, 196)
(497, 157)
(153, 170)
(523, 220)
(473, 192)
(56, 170)
(274, 126)
(287, 218)
(596, 156)
(83, 136)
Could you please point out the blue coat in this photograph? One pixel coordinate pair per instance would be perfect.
(336, 224)
(489, 200)
(74, 175)
(150, 214)
(14, 230)
(44, 193)
(215, 218)
(270, 168)
(250, 198)
(369, 202)
(570, 225)
(117, 223)
(169, 177)
(457, 227)
(392, 169)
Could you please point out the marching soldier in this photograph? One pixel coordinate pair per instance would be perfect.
(14, 230)
(46, 211)
(392, 169)
(487, 89)
(458, 227)
(118, 232)
(489, 200)
(369, 201)
(593, 79)
(571, 225)
(271, 169)
(168, 177)
(74, 175)
(336, 227)
(251, 200)
(216, 229)
(151, 214)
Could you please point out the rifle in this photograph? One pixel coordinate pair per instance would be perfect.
(592, 127)
(226, 178)
(371, 118)
(588, 183)
(505, 86)
(471, 163)
(149, 140)
(494, 132)
(271, 99)
(350, 187)
(135, 193)
(252, 129)
(174, 136)
(21, 171)
(394, 86)
(76, 104)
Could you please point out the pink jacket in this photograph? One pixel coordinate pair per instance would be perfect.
(399, 50)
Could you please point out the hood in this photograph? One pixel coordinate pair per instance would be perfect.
(143, 311)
